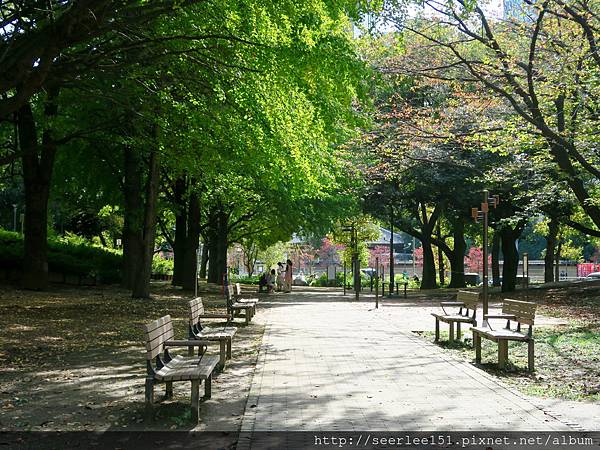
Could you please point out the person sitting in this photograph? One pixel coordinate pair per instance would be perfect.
(271, 281)
(280, 276)
(262, 282)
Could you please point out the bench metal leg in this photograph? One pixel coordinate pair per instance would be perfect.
(247, 317)
(149, 390)
(229, 348)
(451, 338)
(502, 353)
(477, 345)
(168, 389)
(530, 350)
(149, 409)
(437, 329)
(195, 400)
(458, 331)
(208, 387)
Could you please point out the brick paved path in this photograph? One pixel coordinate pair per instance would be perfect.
(329, 364)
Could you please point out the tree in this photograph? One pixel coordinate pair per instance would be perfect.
(543, 67)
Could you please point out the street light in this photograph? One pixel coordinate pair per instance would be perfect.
(355, 265)
(392, 260)
(483, 213)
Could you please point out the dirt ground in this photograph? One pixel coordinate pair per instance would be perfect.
(73, 359)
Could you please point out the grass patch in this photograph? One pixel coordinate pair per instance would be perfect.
(567, 360)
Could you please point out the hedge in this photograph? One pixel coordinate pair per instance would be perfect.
(69, 256)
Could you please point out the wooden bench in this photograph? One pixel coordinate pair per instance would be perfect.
(238, 296)
(236, 308)
(466, 301)
(164, 368)
(518, 312)
(224, 335)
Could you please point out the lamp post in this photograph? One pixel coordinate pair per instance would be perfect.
(414, 244)
(355, 264)
(526, 270)
(483, 213)
(377, 283)
(391, 251)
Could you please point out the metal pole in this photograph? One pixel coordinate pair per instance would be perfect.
(377, 284)
(484, 209)
(344, 277)
(526, 270)
(413, 256)
(391, 250)
(356, 266)
(198, 252)
(15, 217)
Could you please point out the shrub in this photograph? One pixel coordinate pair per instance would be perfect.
(245, 279)
(162, 266)
(70, 255)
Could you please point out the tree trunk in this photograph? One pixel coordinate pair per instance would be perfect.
(218, 244)
(457, 257)
(191, 243)
(511, 259)
(441, 267)
(550, 250)
(180, 230)
(38, 162)
(428, 280)
(496, 259)
(141, 279)
(557, 261)
(204, 260)
(132, 216)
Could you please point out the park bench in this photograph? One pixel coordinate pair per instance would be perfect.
(235, 308)
(222, 334)
(164, 368)
(239, 298)
(466, 302)
(518, 312)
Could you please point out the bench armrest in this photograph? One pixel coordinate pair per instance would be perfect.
(452, 303)
(214, 316)
(500, 316)
(187, 343)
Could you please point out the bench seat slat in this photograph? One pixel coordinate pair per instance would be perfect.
(502, 333)
(453, 318)
(182, 369)
(216, 333)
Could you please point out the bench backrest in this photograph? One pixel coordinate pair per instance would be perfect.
(523, 311)
(469, 298)
(229, 296)
(196, 310)
(156, 334)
